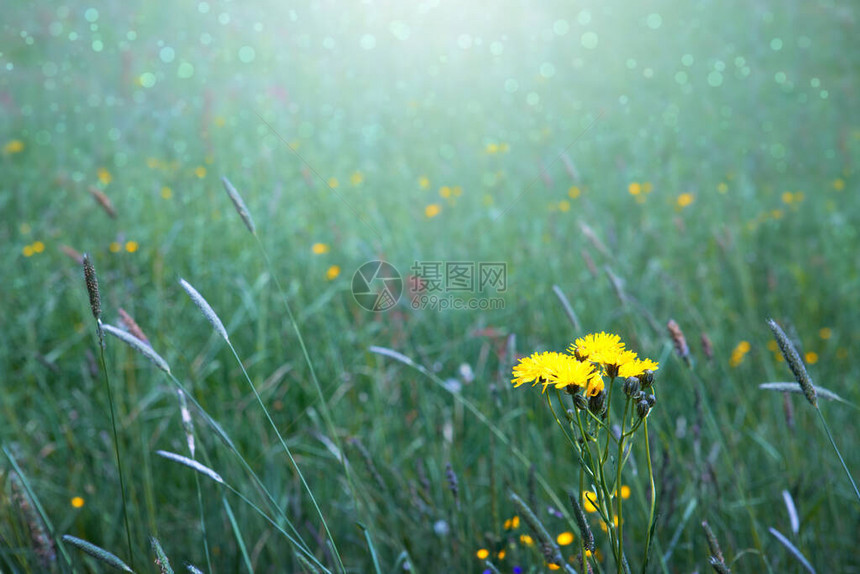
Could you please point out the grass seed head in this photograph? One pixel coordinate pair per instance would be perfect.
(679, 341)
(92, 286)
(207, 310)
(103, 201)
(240, 206)
(132, 326)
(795, 363)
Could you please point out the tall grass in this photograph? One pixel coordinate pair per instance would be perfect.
(739, 121)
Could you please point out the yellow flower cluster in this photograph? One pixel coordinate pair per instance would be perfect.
(585, 364)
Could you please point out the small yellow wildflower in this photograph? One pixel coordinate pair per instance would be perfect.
(38, 247)
(825, 333)
(333, 182)
(166, 192)
(501, 554)
(573, 192)
(564, 205)
(320, 248)
(811, 357)
(553, 566)
(200, 171)
(526, 539)
(14, 146)
(637, 367)
(685, 199)
(722, 187)
(356, 178)
(787, 197)
(838, 184)
(445, 191)
(634, 188)
(597, 347)
(492, 148)
(27, 251)
(77, 502)
(564, 538)
(432, 210)
(131, 246)
(423, 182)
(115, 247)
(332, 272)
(512, 523)
(482, 554)
(625, 492)
(104, 176)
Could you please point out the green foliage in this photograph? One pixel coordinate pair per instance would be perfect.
(699, 165)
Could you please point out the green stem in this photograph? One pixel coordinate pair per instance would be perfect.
(653, 495)
(838, 454)
(290, 456)
(116, 447)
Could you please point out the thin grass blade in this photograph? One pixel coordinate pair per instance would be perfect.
(793, 549)
(192, 464)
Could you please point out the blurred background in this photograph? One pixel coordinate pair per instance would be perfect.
(654, 160)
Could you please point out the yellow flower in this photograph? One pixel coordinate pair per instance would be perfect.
(332, 272)
(573, 192)
(333, 182)
(597, 347)
(634, 188)
(811, 357)
(552, 566)
(423, 182)
(565, 370)
(356, 178)
(531, 369)
(131, 246)
(115, 247)
(501, 554)
(482, 554)
(166, 192)
(200, 171)
(564, 205)
(14, 146)
(77, 502)
(38, 247)
(564, 538)
(637, 367)
(787, 197)
(512, 523)
(445, 191)
(432, 210)
(838, 184)
(526, 539)
(625, 492)
(589, 501)
(744, 347)
(319, 248)
(492, 148)
(104, 176)
(27, 251)
(685, 199)
(825, 333)
(722, 187)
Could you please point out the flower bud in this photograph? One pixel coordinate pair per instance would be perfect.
(597, 403)
(631, 386)
(642, 408)
(580, 402)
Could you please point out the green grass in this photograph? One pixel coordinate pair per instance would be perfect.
(638, 107)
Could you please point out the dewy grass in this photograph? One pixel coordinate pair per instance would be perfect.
(150, 353)
(795, 363)
(210, 314)
(91, 281)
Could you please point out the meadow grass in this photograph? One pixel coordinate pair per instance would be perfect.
(699, 166)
